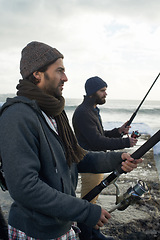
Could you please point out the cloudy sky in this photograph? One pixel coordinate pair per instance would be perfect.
(117, 40)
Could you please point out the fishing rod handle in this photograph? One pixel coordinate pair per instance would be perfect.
(128, 123)
(143, 149)
(131, 119)
(94, 192)
(103, 184)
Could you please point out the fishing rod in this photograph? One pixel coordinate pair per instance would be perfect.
(115, 174)
(135, 113)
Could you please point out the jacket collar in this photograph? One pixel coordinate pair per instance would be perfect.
(89, 101)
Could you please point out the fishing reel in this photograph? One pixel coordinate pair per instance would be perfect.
(132, 195)
(135, 134)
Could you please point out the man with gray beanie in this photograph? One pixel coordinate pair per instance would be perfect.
(91, 136)
(41, 157)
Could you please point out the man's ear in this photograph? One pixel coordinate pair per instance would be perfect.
(37, 75)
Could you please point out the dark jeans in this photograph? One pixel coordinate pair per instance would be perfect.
(89, 233)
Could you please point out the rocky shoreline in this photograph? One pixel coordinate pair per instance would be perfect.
(140, 221)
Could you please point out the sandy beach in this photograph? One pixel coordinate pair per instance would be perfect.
(140, 221)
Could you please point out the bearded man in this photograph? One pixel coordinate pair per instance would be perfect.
(91, 136)
(40, 155)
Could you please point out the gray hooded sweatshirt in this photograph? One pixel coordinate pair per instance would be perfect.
(38, 178)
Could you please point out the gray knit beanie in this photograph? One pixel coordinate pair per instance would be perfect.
(94, 84)
(36, 55)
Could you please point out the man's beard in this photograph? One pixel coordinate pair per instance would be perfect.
(99, 100)
(50, 90)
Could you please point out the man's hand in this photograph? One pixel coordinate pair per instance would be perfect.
(129, 163)
(123, 129)
(132, 141)
(103, 218)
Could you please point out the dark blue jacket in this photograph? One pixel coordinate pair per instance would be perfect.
(89, 130)
(38, 177)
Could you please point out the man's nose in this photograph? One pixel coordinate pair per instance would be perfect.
(64, 77)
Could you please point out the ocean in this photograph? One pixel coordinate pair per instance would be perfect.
(116, 112)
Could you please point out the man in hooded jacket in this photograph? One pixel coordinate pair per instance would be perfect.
(40, 155)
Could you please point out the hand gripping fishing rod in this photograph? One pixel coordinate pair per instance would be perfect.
(135, 113)
(115, 174)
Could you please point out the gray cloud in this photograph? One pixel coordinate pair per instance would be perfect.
(23, 19)
(118, 39)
